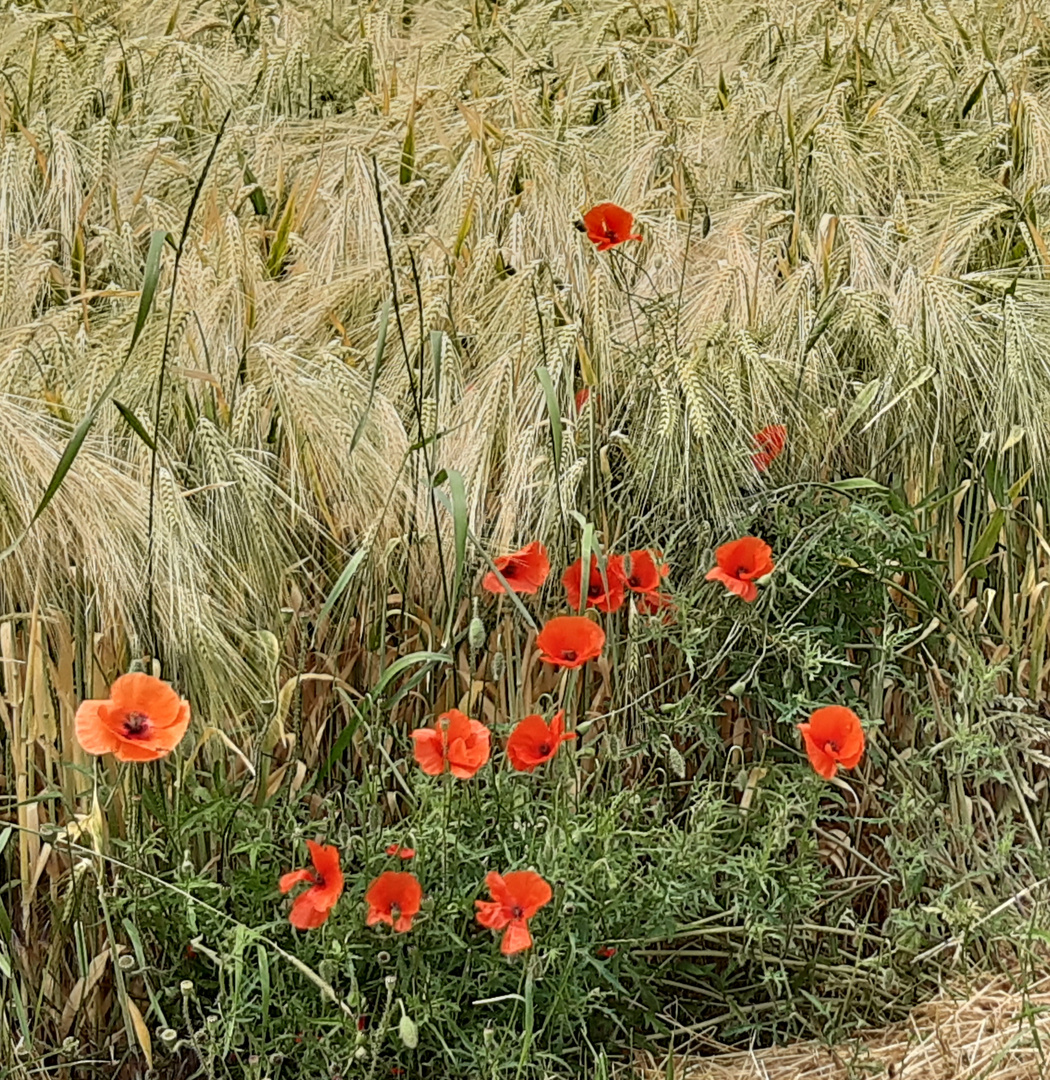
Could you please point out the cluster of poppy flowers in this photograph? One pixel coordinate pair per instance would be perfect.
(461, 746)
(396, 897)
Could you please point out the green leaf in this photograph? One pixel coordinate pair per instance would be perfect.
(135, 424)
(384, 322)
(459, 522)
(987, 540)
(858, 483)
(150, 280)
(402, 664)
(264, 981)
(257, 195)
(974, 95)
(344, 739)
(279, 248)
(553, 414)
(340, 586)
(408, 151)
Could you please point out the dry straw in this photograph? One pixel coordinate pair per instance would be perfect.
(993, 1033)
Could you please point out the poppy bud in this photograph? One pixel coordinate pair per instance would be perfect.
(361, 1053)
(186, 986)
(408, 1031)
(126, 962)
(383, 957)
(476, 633)
(579, 226)
(738, 688)
(69, 1045)
(390, 981)
(676, 763)
(498, 665)
(489, 1035)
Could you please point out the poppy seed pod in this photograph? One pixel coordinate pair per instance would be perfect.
(476, 633)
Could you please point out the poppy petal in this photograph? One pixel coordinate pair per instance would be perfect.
(822, 763)
(142, 693)
(288, 881)
(305, 914)
(529, 890)
(428, 750)
(491, 914)
(517, 938)
(93, 733)
(746, 590)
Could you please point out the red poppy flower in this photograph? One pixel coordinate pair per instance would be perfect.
(606, 594)
(525, 571)
(570, 641)
(455, 742)
(534, 741)
(606, 951)
(311, 908)
(833, 737)
(644, 573)
(516, 897)
(608, 225)
(740, 562)
(770, 442)
(394, 898)
(400, 852)
(142, 720)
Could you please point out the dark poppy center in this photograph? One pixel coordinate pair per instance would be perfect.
(395, 910)
(831, 747)
(568, 654)
(544, 748)
(595, 589)
(517, 911)
(510, 571)
(136, 725)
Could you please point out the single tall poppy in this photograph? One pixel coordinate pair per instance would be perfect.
(455, 742)
(833, 737)
(533, 741)
(740, 563)
(516, 897)
(604, 593)
(142, 719)
(312, 907)
(524, 571)
(394, 898)
(570, 641)
(770, 442)
(608, 225)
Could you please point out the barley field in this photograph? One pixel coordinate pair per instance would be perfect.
(308, 321)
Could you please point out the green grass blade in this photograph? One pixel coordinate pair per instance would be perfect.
(135, 424)
(459, 521)
(384, 323)
(553, 414)
(150, 281)
(340, 586)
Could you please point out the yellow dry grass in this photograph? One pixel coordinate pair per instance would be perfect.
(993, 1032)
